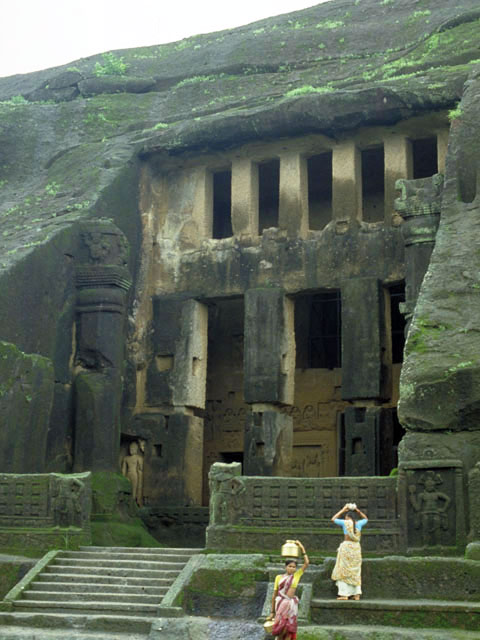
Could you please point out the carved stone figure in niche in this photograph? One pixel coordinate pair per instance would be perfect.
(68, 500)
(431, 508)
(132, 468)
(225, 486)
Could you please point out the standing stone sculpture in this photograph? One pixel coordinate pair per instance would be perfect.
(132, 468)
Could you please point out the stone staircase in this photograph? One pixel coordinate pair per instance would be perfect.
(109, 589)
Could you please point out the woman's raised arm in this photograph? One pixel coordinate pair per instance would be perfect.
(345, 508)
(306, 561)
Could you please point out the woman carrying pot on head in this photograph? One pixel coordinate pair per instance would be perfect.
(347, 572)
(284, 600)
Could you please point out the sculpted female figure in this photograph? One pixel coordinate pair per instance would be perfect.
(347, 572)
(284, 600)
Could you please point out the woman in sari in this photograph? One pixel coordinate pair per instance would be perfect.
(347, 572)
(284, 600)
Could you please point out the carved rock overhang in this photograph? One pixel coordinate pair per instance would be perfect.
(332, 115)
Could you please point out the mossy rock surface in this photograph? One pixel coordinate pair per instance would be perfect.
(115, 520)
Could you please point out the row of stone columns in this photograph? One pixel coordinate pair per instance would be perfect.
(293, 197)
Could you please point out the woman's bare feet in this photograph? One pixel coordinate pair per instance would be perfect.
(357, 597)
(342, 598)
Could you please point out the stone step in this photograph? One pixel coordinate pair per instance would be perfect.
(115, 571)
(163, 550)
(92, 578)
(27, 633)
(131, 599)
(114, 557)
(397, 613)
(356, 632)
(126, 564)
(87, 607)
(94, 587)
(112, 624)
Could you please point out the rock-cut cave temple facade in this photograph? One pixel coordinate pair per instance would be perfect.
(257, 246)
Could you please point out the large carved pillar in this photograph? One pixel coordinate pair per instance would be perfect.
(419, 205)
(176, 382)
(362, 338)
(102, 281)
(269, 381)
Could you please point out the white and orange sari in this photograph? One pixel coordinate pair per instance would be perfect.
(347, 572)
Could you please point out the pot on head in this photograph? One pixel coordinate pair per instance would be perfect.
(290, 549)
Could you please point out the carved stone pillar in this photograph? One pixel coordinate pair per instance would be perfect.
(176, 383)
(419, 205)
(269, 381)
(102, 281)
(363, 330)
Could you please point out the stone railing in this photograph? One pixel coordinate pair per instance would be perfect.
(37, 509)
(249, 512)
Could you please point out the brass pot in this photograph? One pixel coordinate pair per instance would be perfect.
(268, 626)
(290, 549)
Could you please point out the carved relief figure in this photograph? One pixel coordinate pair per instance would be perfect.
(68, 502)
(431, 508)
(225, 485)
(132, 468)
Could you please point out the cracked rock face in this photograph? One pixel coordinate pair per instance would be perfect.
(440, 382)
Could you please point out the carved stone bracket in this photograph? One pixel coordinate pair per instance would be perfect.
(419, 205)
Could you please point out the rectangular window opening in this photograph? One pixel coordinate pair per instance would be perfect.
(268, 194)
(397, 297)
(425, 157)
(373, 184)
(318, 331)
(319, 170)
(222, 205)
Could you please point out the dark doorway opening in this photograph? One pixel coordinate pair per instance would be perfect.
(389, 438)
(319, 170)
(232, 456)
(318, 331)
(373, 184)
(425, 157)
(268, 194)
(222, 204)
